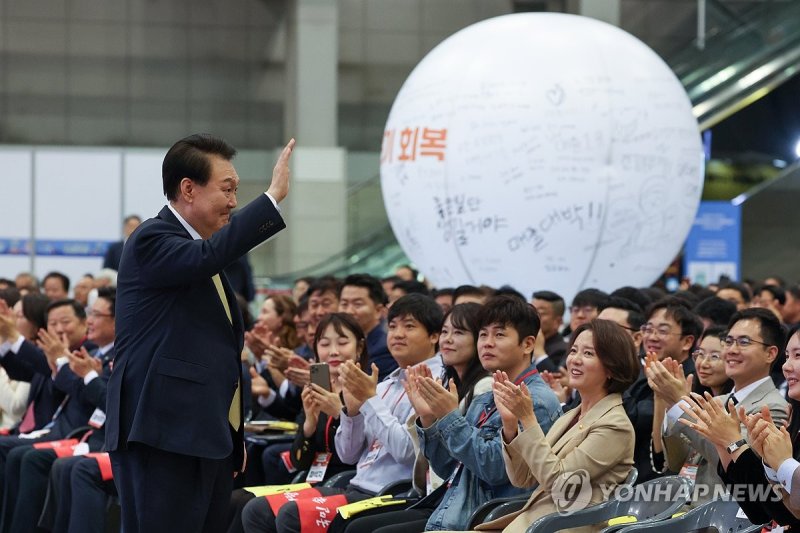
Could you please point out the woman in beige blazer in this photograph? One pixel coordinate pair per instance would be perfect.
(592, 445)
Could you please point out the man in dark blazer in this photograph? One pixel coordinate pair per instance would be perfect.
(174, 412)
(114, 252)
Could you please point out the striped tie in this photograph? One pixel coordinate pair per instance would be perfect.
(234, 413)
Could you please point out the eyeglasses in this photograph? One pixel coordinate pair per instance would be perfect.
(586, 309)
(95, 314)
(700, 355)
(743, 342)
(663, 331)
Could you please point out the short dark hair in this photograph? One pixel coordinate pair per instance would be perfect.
(188, 158)
(635, 314)
(469, 290)
(779, 279)
(80, 312)
(128, 218)
(323, 285)
(637, 296)
(414, 271)
(447, 291)
(510, 311)
(59, 276)
(421, 308)
(690, 298)
(34, 309)
(365, 281)
(341, 322)
(10, 295)
(679, 311)
(555, 300)
(615, 349)
(777, 292)
(411, 287)
(769, 326)
(738, 287)
(715, 309)
(109, 294)
(590, 297)
(507, 290)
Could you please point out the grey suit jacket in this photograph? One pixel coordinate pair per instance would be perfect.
(680, 440)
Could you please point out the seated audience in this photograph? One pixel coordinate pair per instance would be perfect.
(601, 363)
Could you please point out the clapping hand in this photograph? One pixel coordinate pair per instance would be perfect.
(553, 381)
(711, 420)
(258, 385)
(357, 382)
(81, 363)
(298, 371)
(411, 385)
(513, 403)
(53, 346)
(440, 400)
(666, 379)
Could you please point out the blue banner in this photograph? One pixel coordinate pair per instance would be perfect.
(42, 247)
(713, 247)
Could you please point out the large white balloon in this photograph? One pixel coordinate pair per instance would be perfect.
(543, 151)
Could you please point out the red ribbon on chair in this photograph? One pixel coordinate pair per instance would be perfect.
(62, 448)
(276, 501)
(316, 514)
(104, 463)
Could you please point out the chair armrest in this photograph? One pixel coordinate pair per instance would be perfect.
(340, 480)
(396, 487)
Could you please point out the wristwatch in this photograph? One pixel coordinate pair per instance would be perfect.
(733, 446)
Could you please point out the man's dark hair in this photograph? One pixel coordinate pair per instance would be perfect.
(678, 310)
(412, 287)
(447, 291)
(469, 290)
(555, 300)
(302, 305)
(34, 309)
(635, 314)
(590, 297)
(60, 277)
(391, 279)
(690, 298)
(653, 293)
(779, 279)
(128, 218)
(772, 333)
(110, 294)
(795, 290)
(715, 309)
(365, 281)
(740, 288)
(414, 271)
(513, 312)
(7, 282)
(188, 158)
(615, 350)
(80, 312)
(777, 292)
(421, 308)
(507, 290)
(637, 296)
(323, 285)
(10, 295)
(701, 292)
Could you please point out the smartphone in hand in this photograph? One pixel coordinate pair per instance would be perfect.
(321, 375)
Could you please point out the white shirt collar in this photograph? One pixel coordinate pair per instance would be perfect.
(538, 359)
(193, 232)
(742, 394)
(104, 349)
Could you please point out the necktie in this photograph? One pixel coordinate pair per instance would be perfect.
(731, 398)
(234, 413)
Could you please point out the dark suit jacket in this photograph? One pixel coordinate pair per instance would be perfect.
(48, 392)
(177, 355)
(113, 255)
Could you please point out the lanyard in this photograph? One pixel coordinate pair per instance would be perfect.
(328, 434)
(489, 411)
(58, 412)
(400, 397)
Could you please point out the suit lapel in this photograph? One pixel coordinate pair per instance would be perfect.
(756, 397)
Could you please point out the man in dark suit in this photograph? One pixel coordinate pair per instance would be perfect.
(174, 412)
(114, 252)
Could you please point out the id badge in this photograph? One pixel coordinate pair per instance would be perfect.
(374, 450)
(97, 419)
(689, 471)
(428, 482)
(317, 471)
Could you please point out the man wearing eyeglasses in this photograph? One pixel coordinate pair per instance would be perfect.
(670, 331)
(754, 339)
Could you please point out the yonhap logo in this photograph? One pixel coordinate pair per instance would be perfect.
(572, 491)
